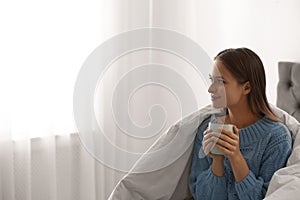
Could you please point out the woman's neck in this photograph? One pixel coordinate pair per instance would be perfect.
(241, 117)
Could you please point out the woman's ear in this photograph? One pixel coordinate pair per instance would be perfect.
(246, 88)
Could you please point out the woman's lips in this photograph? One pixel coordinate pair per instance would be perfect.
(213, 98)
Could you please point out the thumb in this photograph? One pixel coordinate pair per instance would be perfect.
(235, 130)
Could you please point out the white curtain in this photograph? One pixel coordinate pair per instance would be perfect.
(54, 167)
(43, 48)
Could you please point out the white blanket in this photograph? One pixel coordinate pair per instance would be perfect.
(171, 181)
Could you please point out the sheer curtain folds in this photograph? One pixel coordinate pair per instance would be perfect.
(43, 47)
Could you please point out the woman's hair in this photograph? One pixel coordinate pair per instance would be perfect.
(245, 66)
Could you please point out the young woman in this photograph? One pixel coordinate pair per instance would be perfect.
(259, 144)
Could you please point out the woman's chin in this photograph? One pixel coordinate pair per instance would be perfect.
(217, 105)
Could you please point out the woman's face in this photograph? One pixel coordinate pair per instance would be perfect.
(224, 89)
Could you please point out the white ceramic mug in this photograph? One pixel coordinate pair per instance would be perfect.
(215, 127)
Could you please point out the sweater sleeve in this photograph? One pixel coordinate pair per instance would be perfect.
(274, 158)
(202, 182)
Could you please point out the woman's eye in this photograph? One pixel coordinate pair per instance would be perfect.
(220, 81)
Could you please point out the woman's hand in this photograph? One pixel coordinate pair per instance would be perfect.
(208, 142)
(228, 142)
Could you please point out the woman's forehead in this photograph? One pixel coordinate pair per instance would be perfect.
(219, 70)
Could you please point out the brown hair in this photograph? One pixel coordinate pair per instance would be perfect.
(245, 66)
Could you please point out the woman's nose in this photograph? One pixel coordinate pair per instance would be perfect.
(212, 88)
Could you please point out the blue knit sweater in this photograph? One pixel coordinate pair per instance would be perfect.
(265, 145)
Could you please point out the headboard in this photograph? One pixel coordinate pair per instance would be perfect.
(288, 88)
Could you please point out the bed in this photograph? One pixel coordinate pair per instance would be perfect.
(171, 182)
(285, 182)
(288, 89)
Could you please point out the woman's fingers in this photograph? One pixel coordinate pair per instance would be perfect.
(207, 131)
(206, 149)
(226, 144)
(223, 149)
(225, 140)
(230, 134)
(229, 141)
(220, 136)
(236, 130)
(208, 141)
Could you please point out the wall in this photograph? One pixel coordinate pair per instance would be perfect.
(270, 28)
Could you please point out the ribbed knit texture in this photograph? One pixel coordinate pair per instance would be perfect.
(265, 145)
